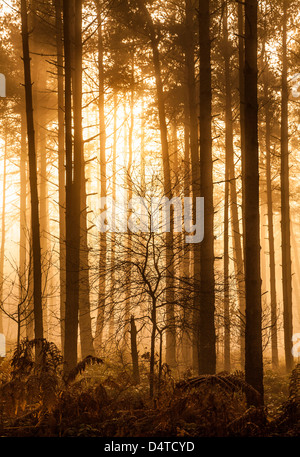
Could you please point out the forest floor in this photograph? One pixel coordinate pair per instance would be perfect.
(98, 400)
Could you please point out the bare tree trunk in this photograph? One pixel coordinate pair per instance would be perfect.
(195, 164)
(113, 237)
(226, 277)
(3, 229)
(239, 261)
(152, 348)
(207, 335)
(85, 321)
(44, 219)
(187, 311)
(229, 154)
(285, 206)
(35, 224)
(235, 225)
(274, 337)
(134, 351)
(72, 184)
(61, 167)
(22, 251)
(129, 196)
(253, 333)
(103, 241)
(143, 158)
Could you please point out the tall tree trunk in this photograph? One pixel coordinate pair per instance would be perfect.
(143, 158)
(85, 321)
(207, 335)
(22, 251)
(72, 184)
(129, 188)
(285, 206)
(235, 224)
(241, 31)
(195, 163)
(226, 274)
(187, 312)
(44, 214)
(61, 167)
(40, 124)
(113, 235)
(274, 337)
(35, 224)
(3, 229)
(253, 333)
(229, 155)
(103, 191)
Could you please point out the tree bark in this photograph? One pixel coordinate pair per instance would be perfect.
(253, 332)
(103, 191)
(72, 184)
(35, 224)
(61, 166)
(195, 162)
(134, 352)
(240, 266)
(23, 244)
(285, 206)
(3, 230)
(271, 242)
(207, 335)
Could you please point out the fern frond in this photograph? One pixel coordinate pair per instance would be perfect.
(81, 366)
(227, 382)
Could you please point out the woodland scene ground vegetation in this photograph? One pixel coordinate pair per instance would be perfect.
(124, 318)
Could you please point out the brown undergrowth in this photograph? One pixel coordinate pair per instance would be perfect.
(101, 399)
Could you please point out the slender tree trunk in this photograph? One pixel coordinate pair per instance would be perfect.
(72, 184)
(274, 337)
(134, 351)
(285, 205)
(253, 333)
(143, 158)
(103, 192)
(195, 163)
(113, 236)
(229, 153)
(152, 348)
(22, 251)
(226, 274)
(187, 312)
(61, 167)
(129, 187)
(3, 230)
(85, 322)
(35, 224)
(207, 335)
(44, 218)
(241, 31)
(235, 225)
